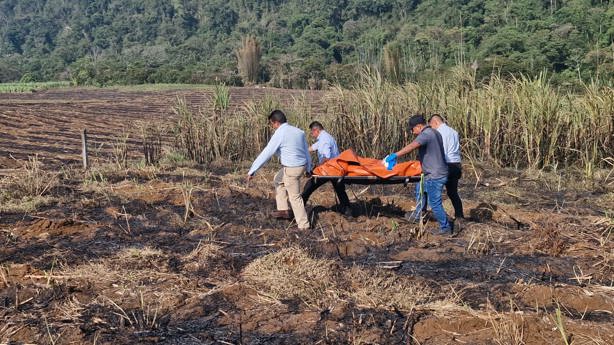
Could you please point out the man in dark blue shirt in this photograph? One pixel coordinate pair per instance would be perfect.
(434, 168)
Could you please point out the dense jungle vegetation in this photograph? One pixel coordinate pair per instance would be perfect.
(302, 43)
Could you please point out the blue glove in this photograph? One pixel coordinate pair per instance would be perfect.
(390, 161)
(391, 157)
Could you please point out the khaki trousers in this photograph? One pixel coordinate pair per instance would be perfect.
(288, 189)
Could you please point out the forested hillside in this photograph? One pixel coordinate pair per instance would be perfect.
(302, 42)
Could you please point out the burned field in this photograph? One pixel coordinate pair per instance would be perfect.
(182, 253)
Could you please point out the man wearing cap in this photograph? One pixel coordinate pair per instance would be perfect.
(326, 148)
(434, 168)
(289, 143)
(451, 149)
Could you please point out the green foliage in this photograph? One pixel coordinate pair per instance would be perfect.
(24, 87)
(221, 97)
(107, 42)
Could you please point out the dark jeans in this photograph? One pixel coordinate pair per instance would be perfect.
(432, 189)
(455, 173)
(313, 184)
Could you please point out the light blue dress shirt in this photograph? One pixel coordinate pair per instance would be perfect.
(289, 143)
(326, 147)
(451, 143)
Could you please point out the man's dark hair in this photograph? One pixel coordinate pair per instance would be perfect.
(415, 120)
(437, 116)
(316, 124)
(278, 116)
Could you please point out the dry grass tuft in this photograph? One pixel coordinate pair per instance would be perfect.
(120, 150)
(203, 252)
(481, 242)
(31, 181)
(383, 289)
(29, 188)
(69, 310)
(203, 257)
(507, 330)
(24, 205)
(292, 273)
(139, 253)
(100, 272)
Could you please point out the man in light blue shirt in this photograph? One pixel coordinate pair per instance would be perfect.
(289, 143)
(452, 153)
(326, 148)
(325, 145)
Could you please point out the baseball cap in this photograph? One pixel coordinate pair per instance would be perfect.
(416, 120)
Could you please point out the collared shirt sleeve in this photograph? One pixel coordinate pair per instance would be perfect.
(325, 151)
(271, 148)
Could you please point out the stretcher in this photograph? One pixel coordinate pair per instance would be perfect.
(367, 180)
(349, 168)
(360, 180)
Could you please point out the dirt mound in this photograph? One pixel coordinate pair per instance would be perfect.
(47, 228)
(581, 301)
(12, 274)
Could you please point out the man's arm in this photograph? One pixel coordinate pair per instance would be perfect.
(266, 154)
(409, 148)
(313, 147)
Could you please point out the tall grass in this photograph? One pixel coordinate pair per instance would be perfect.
(221, 97)
(208, 134)
(520, 122)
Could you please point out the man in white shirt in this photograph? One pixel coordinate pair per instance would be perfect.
(326, 148)
(451, 147)
(290, 145)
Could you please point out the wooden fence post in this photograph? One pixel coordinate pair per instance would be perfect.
(86, 164)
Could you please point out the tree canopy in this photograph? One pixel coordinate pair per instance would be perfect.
(188, 41)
